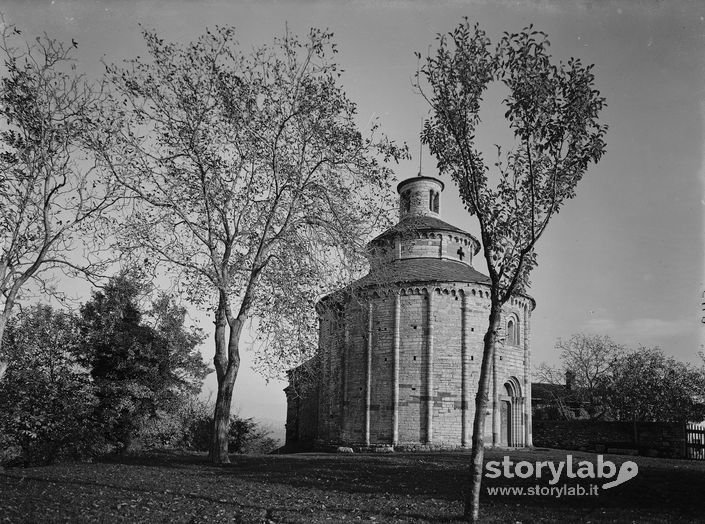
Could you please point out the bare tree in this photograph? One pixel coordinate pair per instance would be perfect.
(552, 111)
(589, 359)
(251, 184)
(51, 194)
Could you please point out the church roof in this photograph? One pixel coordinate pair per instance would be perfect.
(422, 223)
(422, 270)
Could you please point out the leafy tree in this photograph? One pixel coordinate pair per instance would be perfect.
(181, 369)
(137, 368)
(252, 184)
(589, 360)
(124, 366)
(50, 192)
(248, 437)
(646, 386)
(46, 398)
(552, 111)
(189, 427)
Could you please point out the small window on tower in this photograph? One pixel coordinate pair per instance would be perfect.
(433, 201)
(406, 201)
(512, 333)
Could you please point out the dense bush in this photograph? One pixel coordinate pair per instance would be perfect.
(185, 424)
(113, 378)
(247, 436)
(46, 398)
(189, 427)
(144, 364)
(78, 385)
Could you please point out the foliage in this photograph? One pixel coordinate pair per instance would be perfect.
(118, 350)
(247, 436)
(137, 368)
(552, 112)
(46, 398)
(646, 386)
(251, 183)
(51, 194)
(615, 383)
(181, 367)
(189, 427)
(75, 385)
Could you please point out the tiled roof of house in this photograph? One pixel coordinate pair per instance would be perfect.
(546, 391)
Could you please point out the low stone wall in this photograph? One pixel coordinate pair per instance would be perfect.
(657, 439)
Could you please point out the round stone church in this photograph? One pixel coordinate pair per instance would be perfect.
(400, 349)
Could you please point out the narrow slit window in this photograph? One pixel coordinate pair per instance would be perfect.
(512, 333)
(406, 201)
(433, 201)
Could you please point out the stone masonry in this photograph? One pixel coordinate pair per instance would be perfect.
(400, 349)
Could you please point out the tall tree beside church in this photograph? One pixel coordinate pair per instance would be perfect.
(252, 185)
(137, 366)
(50, 192)
(552, 111)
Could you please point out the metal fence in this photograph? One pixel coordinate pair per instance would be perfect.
(695, 441)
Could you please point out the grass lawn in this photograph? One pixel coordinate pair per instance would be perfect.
(401, 487)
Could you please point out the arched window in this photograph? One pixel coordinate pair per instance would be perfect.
(433, 201)
(512, 332)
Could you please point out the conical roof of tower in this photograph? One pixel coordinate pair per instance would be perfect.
(422, 223)
(422, 270)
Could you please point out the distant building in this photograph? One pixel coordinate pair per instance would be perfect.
(400, 349)
(550, 401)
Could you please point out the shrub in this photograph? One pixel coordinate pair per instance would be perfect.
(46, 398)
(191, 427)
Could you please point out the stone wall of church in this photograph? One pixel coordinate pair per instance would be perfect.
(412, 342)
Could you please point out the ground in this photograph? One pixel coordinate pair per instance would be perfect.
(401, 487)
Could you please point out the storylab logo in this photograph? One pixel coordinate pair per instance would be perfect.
(567, 470)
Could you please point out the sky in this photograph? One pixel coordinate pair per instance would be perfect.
(624, 258)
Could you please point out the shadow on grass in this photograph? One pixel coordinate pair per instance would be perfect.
(672, 488)
(157, 458)
(394, 486)
(244, 511)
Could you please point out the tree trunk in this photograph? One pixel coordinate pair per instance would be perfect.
(3, 322)
(227, 365)
(472, 497)
(221, 419)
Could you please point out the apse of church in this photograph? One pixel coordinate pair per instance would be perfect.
(400, 349)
